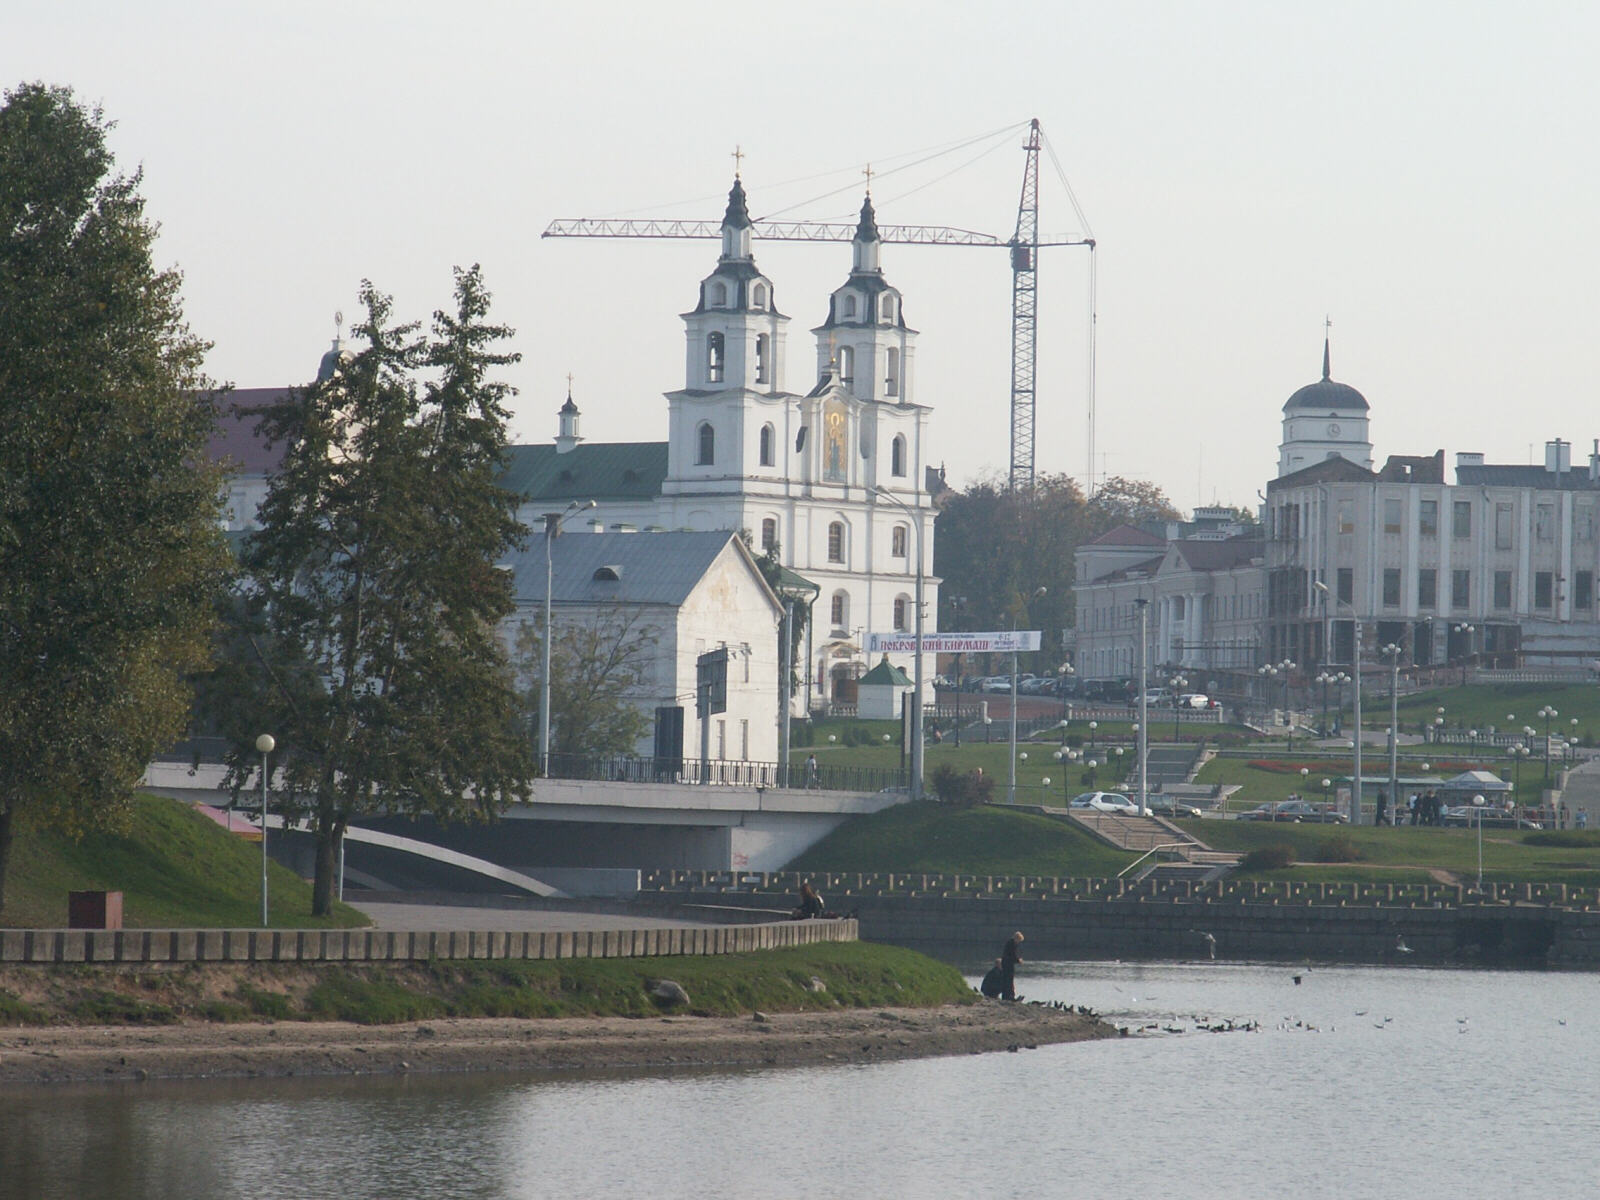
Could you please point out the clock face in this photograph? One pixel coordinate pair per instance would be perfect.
(1333, 430)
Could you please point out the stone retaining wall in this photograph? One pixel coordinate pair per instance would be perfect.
(367, 945)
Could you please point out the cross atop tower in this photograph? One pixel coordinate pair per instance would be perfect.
(868, 173)
(738, 160)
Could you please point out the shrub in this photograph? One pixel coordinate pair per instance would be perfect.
(1268, 858)
(962, 787)
(1338, 849)
(1571, 839)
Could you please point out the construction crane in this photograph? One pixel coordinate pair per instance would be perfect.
(1024, 246)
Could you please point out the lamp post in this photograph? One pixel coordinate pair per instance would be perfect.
(1518, 753)
(957, 603)
(1066, 758)
(1355, 673)
(552, 530)
(1011, 785)
(1549, 714)
(1093, 725)
(916, 683)
(1177, 683)
(1326, 784)
(266, 743)
(1393, 652)
(1477, 804)
(1464, 630)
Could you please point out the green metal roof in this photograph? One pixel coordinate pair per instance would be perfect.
(594, 471)
(885, 673)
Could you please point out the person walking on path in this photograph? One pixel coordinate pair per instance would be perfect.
(811, 771)
(1383, 808)
(1009, 958)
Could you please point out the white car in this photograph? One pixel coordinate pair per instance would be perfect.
(1110, 802)
(1194, 700)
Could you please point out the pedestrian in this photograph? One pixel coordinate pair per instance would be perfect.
(1382, 817)
(1010, 956)
(1582, 818)
(993, 985)
(811, 771)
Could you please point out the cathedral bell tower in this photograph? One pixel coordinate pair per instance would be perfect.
(865, 338)
(735, 333)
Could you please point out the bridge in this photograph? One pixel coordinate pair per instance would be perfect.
(571, 835)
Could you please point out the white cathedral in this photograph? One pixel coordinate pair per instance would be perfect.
(797, 470)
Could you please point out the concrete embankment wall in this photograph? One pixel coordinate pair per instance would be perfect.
(1501, 934)
(367, 945)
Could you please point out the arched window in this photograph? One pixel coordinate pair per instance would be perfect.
(836, 542)
(891, 373)
(758, 296)
(719, 294)
(714, 357)
(849, 307)
(888, 308)
(897, 455)
(839, 610)
(769, 438)
(847, 365)
(897, 541)
(763, 355)
(707, 449)
(902, 606)
(769, 534)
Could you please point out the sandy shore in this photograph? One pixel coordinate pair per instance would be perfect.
(192, 1051)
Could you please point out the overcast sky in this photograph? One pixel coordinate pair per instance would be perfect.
(1423, 173)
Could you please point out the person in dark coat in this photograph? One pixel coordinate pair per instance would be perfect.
(1010, 956)
(994, 983)
(810, 903)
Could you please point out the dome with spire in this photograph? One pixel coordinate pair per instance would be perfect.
(1326, 395)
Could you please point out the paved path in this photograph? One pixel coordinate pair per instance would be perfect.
(429, 917)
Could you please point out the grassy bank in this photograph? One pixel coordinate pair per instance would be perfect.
(175, 869)
(850, 975)
(979, 840)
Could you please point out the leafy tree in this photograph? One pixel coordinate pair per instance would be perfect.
(365, 639)
(109, 545)
(596, 667)
(997, 545)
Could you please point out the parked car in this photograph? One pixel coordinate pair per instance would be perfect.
(1111, 802)
(1296, 810)
(1466, 816)
(1194, 700)
(1166, 806)
(995, 683)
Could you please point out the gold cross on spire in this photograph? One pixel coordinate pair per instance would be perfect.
(738, 160)
(569, 383)
(868, 174)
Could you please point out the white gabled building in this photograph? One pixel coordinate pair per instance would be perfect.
(680, 595)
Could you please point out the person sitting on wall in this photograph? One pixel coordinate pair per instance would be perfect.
(810, 903)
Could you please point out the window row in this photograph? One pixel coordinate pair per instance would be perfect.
(1546, 596)
(839, 613)
(706, 448)
(717, 293)
(1503, 515)
(845, 359)
(849, 308)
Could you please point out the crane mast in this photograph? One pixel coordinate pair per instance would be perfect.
(1024, 315)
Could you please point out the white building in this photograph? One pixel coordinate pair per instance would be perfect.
(679, 595)
(795, 469)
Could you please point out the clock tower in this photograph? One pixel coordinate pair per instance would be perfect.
(1324, 420)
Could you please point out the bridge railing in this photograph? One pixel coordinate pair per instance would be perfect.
(631, 768)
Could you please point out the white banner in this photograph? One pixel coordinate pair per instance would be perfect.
(1002, 642)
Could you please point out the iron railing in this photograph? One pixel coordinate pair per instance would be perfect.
(630, 768)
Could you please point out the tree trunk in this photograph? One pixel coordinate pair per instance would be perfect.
(6, 835)
(327, 850)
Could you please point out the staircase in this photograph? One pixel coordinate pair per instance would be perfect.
(1144, 834)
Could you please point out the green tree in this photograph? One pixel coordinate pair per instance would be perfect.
(365, 639)
(109, 546)
(597, 664)
(997, 545)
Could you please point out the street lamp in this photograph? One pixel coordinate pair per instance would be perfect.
(1355, 672)
(1464, 630)
(552, 530)
(1518, 753)
(266, 743)
(916, 684)
(1549, 714)
(1326, 784)
(1011, 785)
(1177, 683)
(1477, 804)
(1392, 652)
(1093, 725)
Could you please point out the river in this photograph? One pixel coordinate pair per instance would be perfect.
(1356, 1082)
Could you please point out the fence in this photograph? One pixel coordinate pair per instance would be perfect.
(727, 772)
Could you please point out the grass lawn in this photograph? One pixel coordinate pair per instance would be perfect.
(175, 869)
(981, 840)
